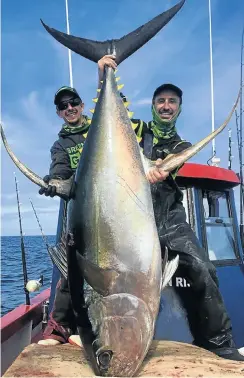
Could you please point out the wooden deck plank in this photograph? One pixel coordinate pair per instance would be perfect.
(165, 359)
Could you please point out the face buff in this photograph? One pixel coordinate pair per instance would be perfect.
(82, 126)
(163, 129)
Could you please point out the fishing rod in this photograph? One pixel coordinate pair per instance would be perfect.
(22, 246)
(44, 238)
(52, 251)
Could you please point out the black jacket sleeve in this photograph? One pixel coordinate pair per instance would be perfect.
(139, 127)
(180, 146)
(60, 166)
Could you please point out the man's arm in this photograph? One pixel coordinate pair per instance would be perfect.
(108, 60)
(60, 167)
(180, 146)
(176, 147)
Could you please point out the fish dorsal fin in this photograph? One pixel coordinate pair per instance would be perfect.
(100, 279)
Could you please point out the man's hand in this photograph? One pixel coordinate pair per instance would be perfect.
(108, 60)
(50, 190)
(156, 174)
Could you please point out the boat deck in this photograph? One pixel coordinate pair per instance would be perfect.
(165, 358)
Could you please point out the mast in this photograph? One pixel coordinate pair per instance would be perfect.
(69, 51)
(27, 297)
(240, 145)
(211, 78)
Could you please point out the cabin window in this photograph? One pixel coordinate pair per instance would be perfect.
(219, 225)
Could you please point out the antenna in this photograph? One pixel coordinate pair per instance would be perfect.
(22, 246)
(211, 78)
(230, 150)
(69, 51)
(240, 145)
(239, 152)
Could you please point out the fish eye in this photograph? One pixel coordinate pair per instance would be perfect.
(104, 358)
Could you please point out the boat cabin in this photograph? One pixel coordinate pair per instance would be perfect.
(210, 208)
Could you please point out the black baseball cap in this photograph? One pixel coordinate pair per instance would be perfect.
(65, 90)
(168, 86)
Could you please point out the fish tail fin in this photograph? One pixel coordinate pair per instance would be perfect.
(122, 48)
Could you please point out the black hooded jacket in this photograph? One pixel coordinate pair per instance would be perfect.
(166, 195)
(66, 151)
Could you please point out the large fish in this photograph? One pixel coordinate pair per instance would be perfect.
(113, 256)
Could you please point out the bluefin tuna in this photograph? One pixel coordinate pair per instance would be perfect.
(113, 256)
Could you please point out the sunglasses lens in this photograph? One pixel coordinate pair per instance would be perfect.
(62, 106)
(73, 102)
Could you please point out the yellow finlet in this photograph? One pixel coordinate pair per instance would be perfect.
(115, 71)
(126, 104)
(101, 81)
(99, 90)
(117, 78)
(89, 121)
(120, 86)
(138, 139)
(134, 125)
(92, 110)
(85, 135)
(130, 114)
(95, 99)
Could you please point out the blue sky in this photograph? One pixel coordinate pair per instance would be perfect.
(34, 66)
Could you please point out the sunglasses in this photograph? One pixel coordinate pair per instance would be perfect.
(64, 105)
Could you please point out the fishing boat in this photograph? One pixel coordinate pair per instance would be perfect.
(210, 207)
(211, 211)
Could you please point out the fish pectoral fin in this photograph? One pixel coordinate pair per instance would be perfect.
(59, 258)
(165, 260)
(170, 269)
(99, 279)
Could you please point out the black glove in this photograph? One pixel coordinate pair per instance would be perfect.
(50, 190)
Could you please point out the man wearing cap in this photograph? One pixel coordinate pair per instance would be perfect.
(65, 155)
(66, 151)
(211, 327)
(208, 319)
